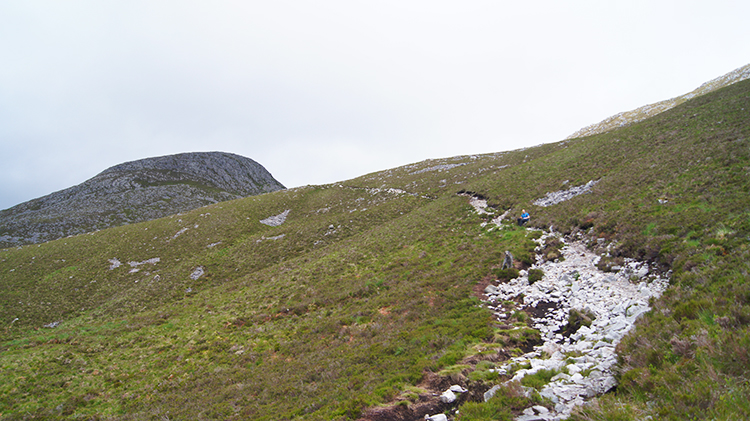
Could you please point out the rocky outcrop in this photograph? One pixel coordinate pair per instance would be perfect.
(134, 192)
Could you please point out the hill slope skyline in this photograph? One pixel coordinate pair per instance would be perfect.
(641, 113)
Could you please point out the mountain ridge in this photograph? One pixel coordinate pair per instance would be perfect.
(624, 118)
(135, 191)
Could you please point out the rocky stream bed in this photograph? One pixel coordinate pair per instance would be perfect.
(583, 357)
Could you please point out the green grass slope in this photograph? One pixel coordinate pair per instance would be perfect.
(367, 288)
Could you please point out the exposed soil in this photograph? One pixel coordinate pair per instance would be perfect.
(429, 403)
(542, 309)
(478, 289)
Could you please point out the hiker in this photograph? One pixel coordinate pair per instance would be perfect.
(524, 218)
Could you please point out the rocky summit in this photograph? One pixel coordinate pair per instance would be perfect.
(134, 192)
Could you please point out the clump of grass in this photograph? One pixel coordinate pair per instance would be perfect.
(482, 372)
(551, 250)
(505, 274)
(609, 407)
(539, 379)
(576, 319)
(535, 275)
(525, 338)
(507, 403)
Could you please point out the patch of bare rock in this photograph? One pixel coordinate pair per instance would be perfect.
(276, 220)
(556, 197)
(583, 357)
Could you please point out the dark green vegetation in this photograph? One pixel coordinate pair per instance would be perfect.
(503, 407)
(367, 291)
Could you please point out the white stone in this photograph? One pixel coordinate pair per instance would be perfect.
(448, 397)
(602, 344)
(540, 409)
(490, 393)
(633, 312)
(114, 264)
(618, 325)
(549, 393)
(584, 330)
(574, 368)
(582, 346)
(197, 273)
(561, 408)
(613, 337)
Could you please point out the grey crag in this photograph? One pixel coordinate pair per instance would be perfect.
(134, 192)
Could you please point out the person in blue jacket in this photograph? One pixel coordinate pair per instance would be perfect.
(524, 217)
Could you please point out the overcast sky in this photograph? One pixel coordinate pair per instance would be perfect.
(323, 91)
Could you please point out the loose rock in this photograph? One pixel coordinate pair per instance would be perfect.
(614, 300)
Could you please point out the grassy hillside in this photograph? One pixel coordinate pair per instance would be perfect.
(365, 294)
